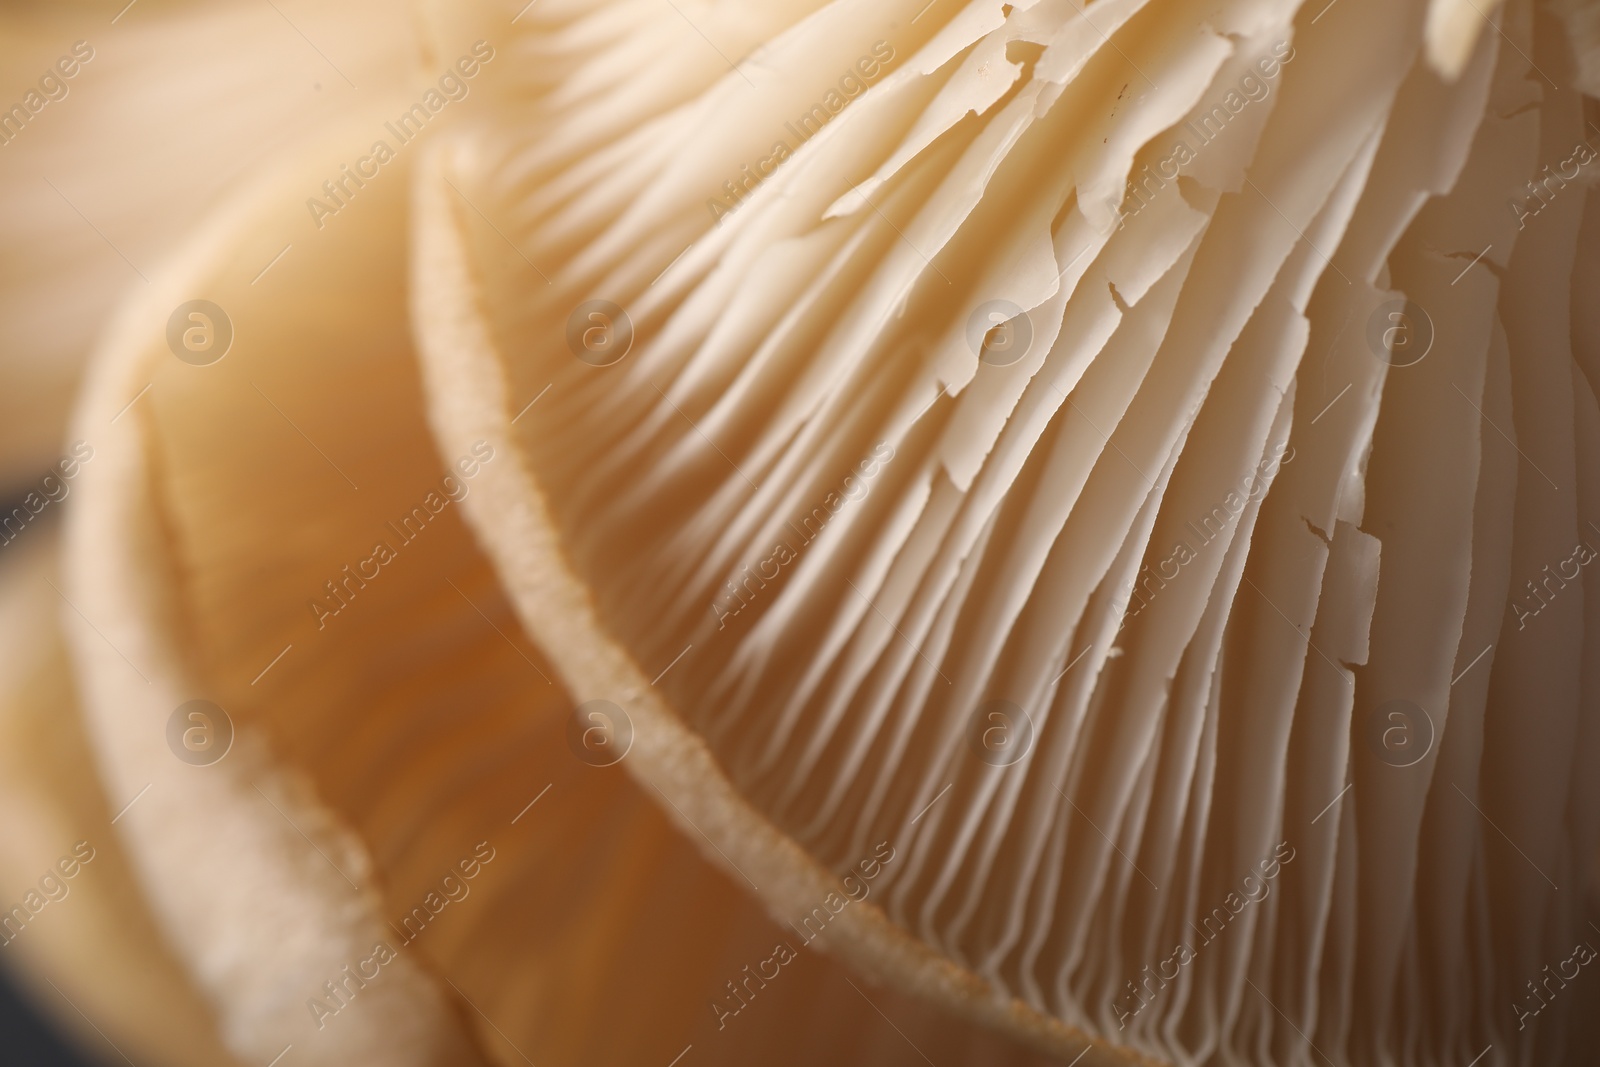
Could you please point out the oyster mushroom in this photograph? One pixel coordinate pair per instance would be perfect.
(1071, 521)
(375, 843)
(1241, 567)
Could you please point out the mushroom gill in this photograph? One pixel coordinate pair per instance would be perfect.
(757, 533)
(1162, 542)
(392, 855)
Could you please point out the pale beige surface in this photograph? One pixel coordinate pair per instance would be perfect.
(1182, 736)
(94, 953)
(181, 103)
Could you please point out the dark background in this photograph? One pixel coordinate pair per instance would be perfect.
(26, 1038)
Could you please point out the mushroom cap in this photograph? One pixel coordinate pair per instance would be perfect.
(1070, 520)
